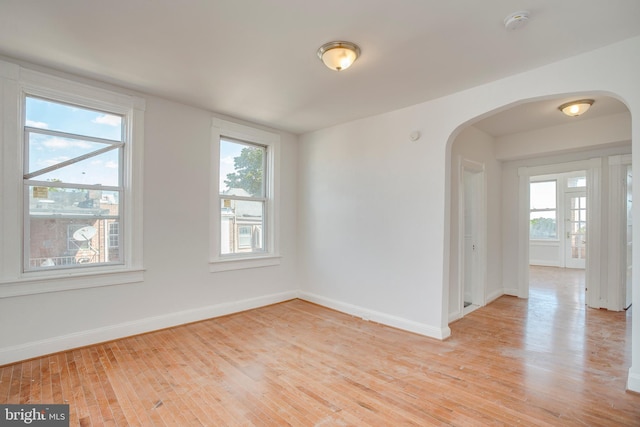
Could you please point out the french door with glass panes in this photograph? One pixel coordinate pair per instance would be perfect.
(576, 230)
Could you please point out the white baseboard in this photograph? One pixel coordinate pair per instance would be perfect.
(514, 292)
(376, 316)
(633, 381)
(30, 350)
(543, 263)
(455, 316)
(494, 296)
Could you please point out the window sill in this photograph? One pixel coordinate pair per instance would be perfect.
(31, 284)
(243, 263)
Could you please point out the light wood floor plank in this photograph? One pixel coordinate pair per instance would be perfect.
(545, 361)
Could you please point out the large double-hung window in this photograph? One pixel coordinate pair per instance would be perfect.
(244, 197)
(73, 187)
(543, 223)
(71, 193)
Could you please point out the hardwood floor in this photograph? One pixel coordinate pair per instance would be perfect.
(542, 361)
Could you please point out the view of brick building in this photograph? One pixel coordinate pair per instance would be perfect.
(72, 227)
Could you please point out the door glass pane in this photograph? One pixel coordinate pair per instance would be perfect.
(577, 226)
(577, 181)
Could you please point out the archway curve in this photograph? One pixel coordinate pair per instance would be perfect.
(555, 99)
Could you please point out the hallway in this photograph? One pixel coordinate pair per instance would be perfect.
(558, 322)
(552, 285)
(558, 353)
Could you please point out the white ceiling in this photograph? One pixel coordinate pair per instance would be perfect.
(543, 114)
(256, 59)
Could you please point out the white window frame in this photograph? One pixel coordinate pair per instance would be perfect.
(15, 83)
(532, 210)
(271, 255)
(116, 234)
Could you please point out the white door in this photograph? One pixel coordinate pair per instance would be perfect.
(470, 240)
(473, 258)
(575, 230)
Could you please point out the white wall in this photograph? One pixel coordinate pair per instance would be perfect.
(477, 146)
(363, 181)
(368, 221)
(373, 217)
(178, 286)
(592, 134)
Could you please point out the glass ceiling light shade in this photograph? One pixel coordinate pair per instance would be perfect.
(338, 55)
(576, 108)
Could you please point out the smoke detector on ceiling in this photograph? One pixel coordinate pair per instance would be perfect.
(516, 20)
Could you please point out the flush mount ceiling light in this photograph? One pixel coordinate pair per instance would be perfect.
(338, 55)
(576, 108)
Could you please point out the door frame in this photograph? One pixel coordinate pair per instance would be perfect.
(568, 261)
(479, 219)
(616, 295)
(594, 219)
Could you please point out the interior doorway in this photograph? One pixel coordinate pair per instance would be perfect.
(558, 212)
(575, 240)
(472, 223)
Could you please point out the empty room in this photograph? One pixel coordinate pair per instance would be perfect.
(219, 213)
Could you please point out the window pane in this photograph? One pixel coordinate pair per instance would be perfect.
(241, 226)
(72, 202)
(543, 195)
(577, 181)
(543, 225)
(69, 242)
(45, 114)
(102, 169)
(241, 169)
(70, 226)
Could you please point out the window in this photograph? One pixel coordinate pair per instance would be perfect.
(74, 158)
(543, 210)
(72, 169)
(242, 195)
(244, 205)
(577, 180)
(114, 235)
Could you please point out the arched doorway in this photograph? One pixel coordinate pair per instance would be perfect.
(533, 135)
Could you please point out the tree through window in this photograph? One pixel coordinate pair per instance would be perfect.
(543, 201)
(242, 196)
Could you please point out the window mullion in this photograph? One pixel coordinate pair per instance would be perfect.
(243, 198)
(50, 184)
